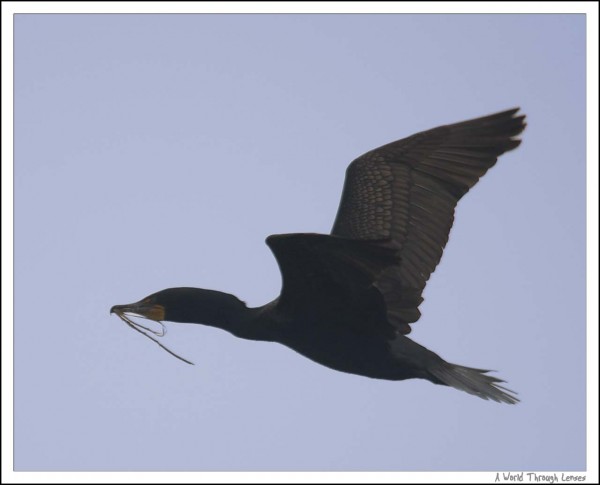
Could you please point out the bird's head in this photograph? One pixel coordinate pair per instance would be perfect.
(187, 305)
(192, 305)
(159, 306)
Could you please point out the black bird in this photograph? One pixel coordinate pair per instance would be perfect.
(348, 298)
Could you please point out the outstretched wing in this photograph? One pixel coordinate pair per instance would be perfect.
(406, 191)
(333, 279)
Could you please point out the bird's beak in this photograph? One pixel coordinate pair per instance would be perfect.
(142, 308)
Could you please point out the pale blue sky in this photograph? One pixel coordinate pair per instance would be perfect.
(160, 150)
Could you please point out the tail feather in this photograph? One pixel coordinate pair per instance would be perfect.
(474, 381)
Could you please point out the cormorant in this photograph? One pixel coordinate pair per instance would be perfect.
(348, 299)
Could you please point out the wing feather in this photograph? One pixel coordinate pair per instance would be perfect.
(406, 192)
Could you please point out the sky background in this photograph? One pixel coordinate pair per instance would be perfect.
(154, 151)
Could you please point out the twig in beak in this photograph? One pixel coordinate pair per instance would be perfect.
(137, 327)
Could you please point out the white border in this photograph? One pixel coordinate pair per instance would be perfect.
(11, 8)
(298, 7)
(592, 242)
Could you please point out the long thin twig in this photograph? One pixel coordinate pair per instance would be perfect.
(163, 329)
(135, 326)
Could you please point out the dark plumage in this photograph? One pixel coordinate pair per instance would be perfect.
(348, 298)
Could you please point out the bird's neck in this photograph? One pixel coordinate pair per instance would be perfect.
(220, 310)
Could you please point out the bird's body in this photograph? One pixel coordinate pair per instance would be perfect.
(348, 298)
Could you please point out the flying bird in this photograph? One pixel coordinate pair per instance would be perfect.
(348, 299)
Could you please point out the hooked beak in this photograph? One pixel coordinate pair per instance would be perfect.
(152, 311)
(143, 308)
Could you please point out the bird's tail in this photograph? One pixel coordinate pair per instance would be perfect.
(473, 381)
